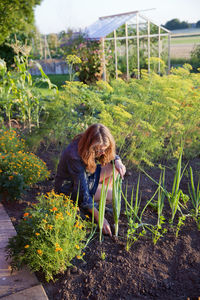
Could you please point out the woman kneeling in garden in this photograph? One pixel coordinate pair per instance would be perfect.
(83, 166)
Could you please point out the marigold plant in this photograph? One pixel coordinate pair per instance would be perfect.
(50, 235)
(18, 169)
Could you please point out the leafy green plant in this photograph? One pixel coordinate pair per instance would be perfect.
(136, 227)
(116, 199)
(195, 197)
(10, 141)
(72, 60)
(11, 185)
(50, 235)
(158, 230)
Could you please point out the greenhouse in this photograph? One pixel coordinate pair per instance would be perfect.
(134, 39)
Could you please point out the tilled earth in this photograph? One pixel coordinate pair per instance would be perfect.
(168, 270)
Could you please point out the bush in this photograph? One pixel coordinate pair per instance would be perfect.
(18, 169)
(50, 235)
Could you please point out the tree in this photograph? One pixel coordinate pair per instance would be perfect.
(198, 24)
(15, 16)
(176, 24)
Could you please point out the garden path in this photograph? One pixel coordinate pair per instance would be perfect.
(18, 285)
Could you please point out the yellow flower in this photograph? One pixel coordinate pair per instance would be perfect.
(45, 221)
(50, 227)
(39, 252)
(37, 233)
(27, 246)
(79, 257)
(77, 246)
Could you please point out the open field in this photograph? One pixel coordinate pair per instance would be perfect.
(181, 47)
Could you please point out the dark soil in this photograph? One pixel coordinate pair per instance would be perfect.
(168, 270)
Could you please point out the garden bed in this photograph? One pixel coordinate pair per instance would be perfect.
(168, 270)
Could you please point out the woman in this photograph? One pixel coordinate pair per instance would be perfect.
(83, 166)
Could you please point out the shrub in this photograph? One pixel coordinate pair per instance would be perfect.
(10, 142)
(50, 235)
(18, 169)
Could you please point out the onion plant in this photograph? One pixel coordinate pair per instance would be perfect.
(136, 227)
(176, 195)
(116, 199)
(102, 205)
(157, 230)
(195, 197)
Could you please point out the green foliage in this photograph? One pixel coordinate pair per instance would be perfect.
(50, 235)
(12, 185)
(116, 198)
(176, 24)
(16, 16)
(195, 198)
(18, 169)
(18, 96)
(102, 205)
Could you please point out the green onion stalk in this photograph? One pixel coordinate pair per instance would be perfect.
(116, 199)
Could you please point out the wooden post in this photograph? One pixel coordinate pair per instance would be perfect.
(115, 44)
(169, 46)
(127, 64)
(148, 33)
(138, 47)
(104, 61)
(159, 49)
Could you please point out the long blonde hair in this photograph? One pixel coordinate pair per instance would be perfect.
(96, 135)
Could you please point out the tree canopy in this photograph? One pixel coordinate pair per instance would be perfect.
(176, 24)
(16, 15)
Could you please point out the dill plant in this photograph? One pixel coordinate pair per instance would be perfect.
(50, 235)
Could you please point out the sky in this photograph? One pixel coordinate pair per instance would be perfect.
(54, 16)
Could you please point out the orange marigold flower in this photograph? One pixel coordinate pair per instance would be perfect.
(58, 249)
(37, 233)
(78, 256)
(27, 246)
(50, 227)
(26, 214)
(54, 208)
(39, 252)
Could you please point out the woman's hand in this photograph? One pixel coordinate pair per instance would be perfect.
(106, 225)
(106, 228)
(120, 167)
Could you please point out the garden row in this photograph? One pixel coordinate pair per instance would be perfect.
(151, 119)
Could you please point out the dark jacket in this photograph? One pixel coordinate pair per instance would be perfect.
(72, 176)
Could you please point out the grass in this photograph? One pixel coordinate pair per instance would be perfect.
(185, 40)
(58, 80)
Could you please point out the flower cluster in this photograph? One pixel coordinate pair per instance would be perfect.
(10, 142)
(45, 241)
(18, 169)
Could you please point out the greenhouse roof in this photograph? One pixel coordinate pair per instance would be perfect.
(106, 25)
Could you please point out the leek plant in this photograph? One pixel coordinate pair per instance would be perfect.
(102, 205)
(116, 199)
(157, 229)
(136, 227)
(176, 195)
(195, 197)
